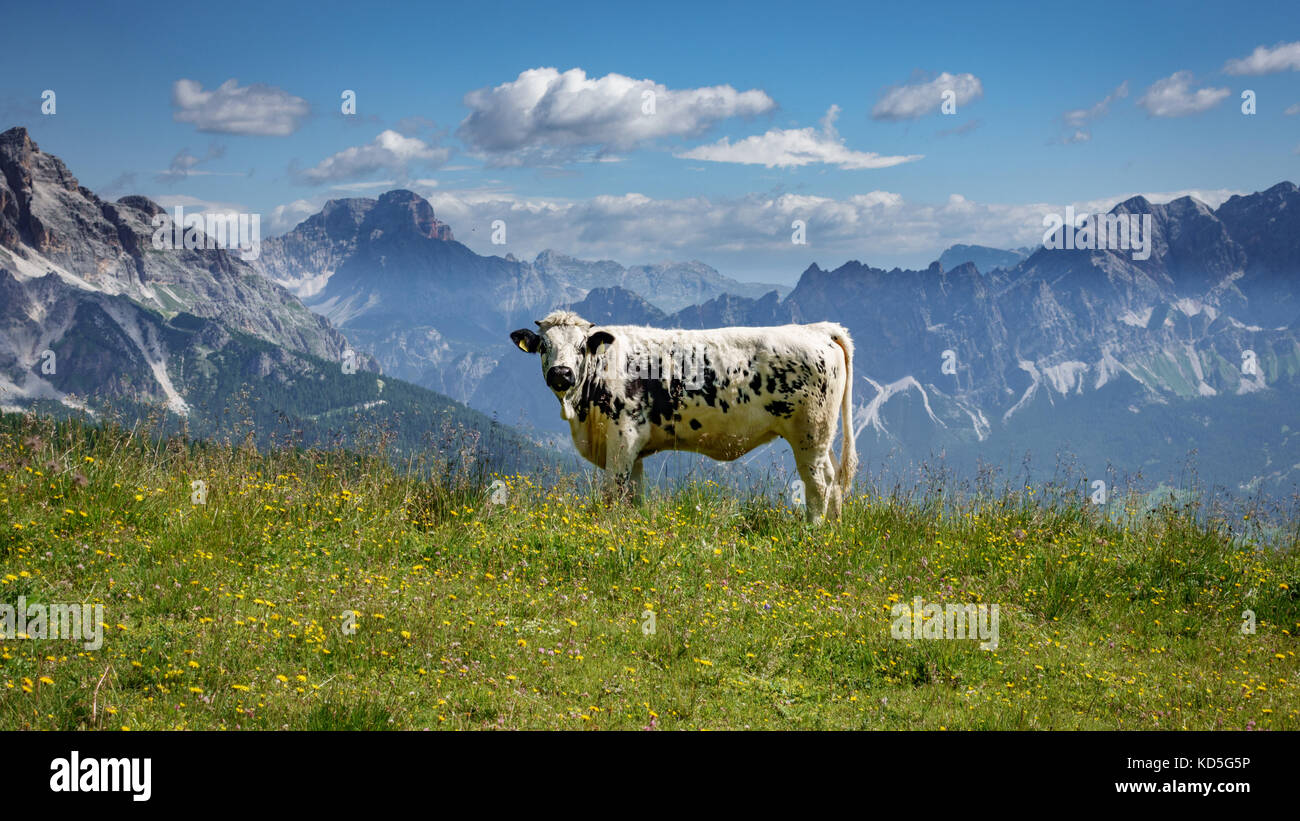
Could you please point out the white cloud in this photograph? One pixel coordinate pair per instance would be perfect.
(1264, 60)
(908, 102)
(371, 185)
(185, 164)
(545, 116)
(747, 237)
(195, 205)
(390, 151)
(285, 217)
(257, 109)
(1173, 97)
(791, 148)
(1078, 119)
(1213, 197)
(1292, 110)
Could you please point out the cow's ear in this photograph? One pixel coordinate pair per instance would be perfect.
(597, 339)
(527, 341)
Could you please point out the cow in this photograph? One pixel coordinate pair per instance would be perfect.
(628, 392)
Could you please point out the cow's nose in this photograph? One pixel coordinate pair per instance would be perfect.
(559, 378)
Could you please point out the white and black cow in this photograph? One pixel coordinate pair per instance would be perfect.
(629, 391)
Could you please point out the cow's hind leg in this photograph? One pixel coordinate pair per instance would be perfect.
(817, 471)
(834, 497)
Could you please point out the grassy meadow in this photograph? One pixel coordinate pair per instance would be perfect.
(311, 589)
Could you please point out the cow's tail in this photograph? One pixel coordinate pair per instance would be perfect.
(848, 465)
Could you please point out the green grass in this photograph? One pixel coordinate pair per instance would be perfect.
(323, 590)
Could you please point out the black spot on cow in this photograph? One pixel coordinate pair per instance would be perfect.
(657, 402)
(695, 424)
(708, 382)
(779, 408)
(596, 395)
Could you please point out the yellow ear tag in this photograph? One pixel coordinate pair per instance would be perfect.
(523, 346)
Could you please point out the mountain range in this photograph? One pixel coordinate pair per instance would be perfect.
(1128, 366)
(94, 317)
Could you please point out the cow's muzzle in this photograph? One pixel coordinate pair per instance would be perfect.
(560, 378)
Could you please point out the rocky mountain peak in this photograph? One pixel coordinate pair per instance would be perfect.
(341, 218)
(17, 136)
(1185, 207)
(101, 252)
(549, 256)
(1133, 205)
(141, 203)
(401, 211)
(21, 161)
(965, 269)
(616, 305)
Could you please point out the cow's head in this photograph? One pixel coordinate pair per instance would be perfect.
(568, 347)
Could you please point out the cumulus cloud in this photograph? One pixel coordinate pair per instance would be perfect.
(545, 116)
(285, 217)
(1264, 60)
(1213, 197)
(390, 151)
(908, 102)
(1174, 97)
(196, 205)
(368, 185)
(791, 148)
(258, 109)
(749, 236)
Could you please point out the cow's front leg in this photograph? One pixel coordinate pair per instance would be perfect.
(638, 481)
(622, 447)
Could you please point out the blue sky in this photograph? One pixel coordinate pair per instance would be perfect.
(457, 103)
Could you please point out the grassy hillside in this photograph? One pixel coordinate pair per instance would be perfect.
(318, 589)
